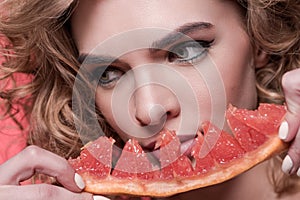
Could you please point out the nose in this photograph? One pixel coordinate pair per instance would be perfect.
(155, 104)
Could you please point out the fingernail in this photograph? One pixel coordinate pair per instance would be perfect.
(287, 164)
(79, 181)
(298, 172)
(283, 130)
(100, 198)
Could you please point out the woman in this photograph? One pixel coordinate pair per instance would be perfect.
(136, 50)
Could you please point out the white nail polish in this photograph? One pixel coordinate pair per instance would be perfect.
(100, 198)
(283, 130)
(298, 172)
(287, 164)
(79, 181)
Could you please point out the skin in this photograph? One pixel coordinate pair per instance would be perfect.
(34, 159)
(291, 85)
(237, 72)
(93, 22)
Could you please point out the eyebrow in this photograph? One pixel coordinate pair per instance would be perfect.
(162, 43)
(92, 59)
(179, 33)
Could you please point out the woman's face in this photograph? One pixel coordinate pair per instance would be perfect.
(165, 64)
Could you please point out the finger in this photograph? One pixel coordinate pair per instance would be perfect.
(100, 198)
(40, 192)
(291, 88)
(34, 159)
(291, 162)
(289, 127)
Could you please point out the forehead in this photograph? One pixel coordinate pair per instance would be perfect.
(97, 20)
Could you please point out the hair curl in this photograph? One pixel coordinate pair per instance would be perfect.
(42, 46)
(273, 26)
(41, 42)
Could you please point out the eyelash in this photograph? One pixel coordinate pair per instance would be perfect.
(200, 46)
(103, 71)
(196, 46)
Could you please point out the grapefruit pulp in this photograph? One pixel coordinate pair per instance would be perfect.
(214, 157)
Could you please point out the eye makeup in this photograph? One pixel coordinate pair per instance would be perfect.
(186, 45)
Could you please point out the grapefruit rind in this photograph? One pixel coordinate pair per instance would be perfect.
(163, 188)
(216, 172)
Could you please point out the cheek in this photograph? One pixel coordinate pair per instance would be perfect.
(241, 89)
(238, 74)
(203, 86)
(110, 109)
(103, 103)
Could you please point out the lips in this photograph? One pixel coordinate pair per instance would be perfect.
(185, 148)
(153, 152)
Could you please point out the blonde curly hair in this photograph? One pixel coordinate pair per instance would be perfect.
(273, 25)
(42, 45)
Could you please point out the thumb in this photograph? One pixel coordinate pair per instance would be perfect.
(291, 88)
(289, 130)
(44, 192)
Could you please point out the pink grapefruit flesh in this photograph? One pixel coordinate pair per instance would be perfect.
(216, 156)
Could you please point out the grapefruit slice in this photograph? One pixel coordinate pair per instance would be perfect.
(215, 156)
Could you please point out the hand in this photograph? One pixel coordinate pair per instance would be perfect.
(289, 130)
(34, 159)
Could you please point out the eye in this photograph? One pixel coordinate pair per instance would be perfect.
(188, 52)
(109, 77)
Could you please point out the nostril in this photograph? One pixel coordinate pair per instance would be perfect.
(158, 114)
(142, 122)
(154, 115)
